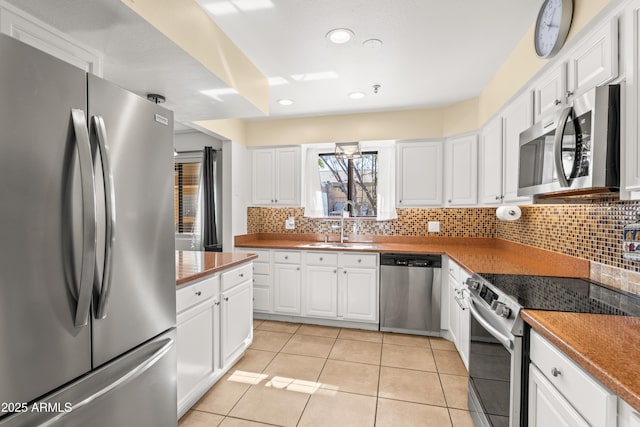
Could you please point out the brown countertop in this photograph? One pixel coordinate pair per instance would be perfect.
(605, 346)
(474, 254)
(191, 265)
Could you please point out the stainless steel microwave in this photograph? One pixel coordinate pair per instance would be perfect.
(575, 152)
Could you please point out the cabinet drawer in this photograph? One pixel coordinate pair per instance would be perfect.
(261, 279)
(591, 399)
(236, 276)
(283, 257)
(359, 260)
(261, 268)
(263, 254)
(196, 293)
(322, 258)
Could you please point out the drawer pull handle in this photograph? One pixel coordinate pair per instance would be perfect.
(335, 271)
(556, 372)
(286, 257)
(359, 260)
(217, 302)
(241, 274)
(198, 293)
(321, 258)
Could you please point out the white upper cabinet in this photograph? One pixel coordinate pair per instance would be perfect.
(550, 92)
(461, 169)
(419, 172)
(630, 162)
(595, 60)
(490, 191)
(276, 176)
(24, 27)
(516, 118)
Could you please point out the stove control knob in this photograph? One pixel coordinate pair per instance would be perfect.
(473, 285)
(503, 311)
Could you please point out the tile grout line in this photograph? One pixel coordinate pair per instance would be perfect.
(319, 375)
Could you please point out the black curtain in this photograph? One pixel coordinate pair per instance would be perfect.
(209, 237)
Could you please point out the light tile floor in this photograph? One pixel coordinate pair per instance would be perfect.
(316, 376)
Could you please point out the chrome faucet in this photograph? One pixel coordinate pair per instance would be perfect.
(344, 208)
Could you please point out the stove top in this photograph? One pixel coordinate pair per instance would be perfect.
(564, 294)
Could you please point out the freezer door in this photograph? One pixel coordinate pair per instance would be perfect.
(41, 212)
(136, 295)
(137, 389)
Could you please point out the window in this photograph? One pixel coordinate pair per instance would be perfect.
(349, 179)
(186, 173)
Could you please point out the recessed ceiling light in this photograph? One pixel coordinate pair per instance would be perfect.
(356, 95)
(285, 102)
(372, 43)
(340, 35)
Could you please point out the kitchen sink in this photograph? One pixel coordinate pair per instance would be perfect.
(336, 245)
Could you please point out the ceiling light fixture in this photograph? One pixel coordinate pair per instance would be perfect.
(285, 102)
(347, 149)
(340, 35)
(372, 44)
(356, 95)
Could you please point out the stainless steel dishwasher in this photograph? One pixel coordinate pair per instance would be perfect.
(410, 293)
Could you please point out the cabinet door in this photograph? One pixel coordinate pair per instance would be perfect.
(419, 173)
(287, 284)
(595, 61)
(462, 173)
(629, 146)
(491, 162)
(550, 92)
(236, 321)
(359, 294)
(454, 309)
(547, 407)
(262, 298)
(321, 291)
(263, 177)
(516, 118)
(287, 176)
(195, 348)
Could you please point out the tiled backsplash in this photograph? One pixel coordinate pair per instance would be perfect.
(592, 230)
(454, 222)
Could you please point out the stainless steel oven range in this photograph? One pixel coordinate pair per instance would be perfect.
(498, 355)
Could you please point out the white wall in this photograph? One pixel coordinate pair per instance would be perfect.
(188, 141)
(236, 191)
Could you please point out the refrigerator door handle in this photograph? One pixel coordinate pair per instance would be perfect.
(110, 207)
(89, 220)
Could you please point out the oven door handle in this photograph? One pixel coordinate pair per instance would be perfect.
(503, 339)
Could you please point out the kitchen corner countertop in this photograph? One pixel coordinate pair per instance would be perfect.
(605, 346)
(191, 265)
(480, 255)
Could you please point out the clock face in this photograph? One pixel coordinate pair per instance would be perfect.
(552, 26)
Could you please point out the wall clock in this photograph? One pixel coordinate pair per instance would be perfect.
(552, 27)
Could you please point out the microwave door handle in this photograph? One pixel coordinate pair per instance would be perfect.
(557, 146)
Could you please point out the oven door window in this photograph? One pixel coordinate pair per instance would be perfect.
(490, 374)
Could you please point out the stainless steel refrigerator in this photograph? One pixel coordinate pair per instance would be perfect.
(87, 270)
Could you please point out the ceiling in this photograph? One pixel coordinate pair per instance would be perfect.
(434, 52)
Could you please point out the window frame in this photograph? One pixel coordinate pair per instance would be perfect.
(187, 157)
(351, 184)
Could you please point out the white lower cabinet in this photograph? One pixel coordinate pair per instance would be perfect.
(287, 284)
(214, 328)
(458, 322)
(321, 291)
(236, 325)
(359, 294)
(561, 393)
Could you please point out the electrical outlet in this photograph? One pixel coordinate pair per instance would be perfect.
(433, 226)
(290, 223)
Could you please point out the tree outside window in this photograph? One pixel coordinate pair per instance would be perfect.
(345, 179)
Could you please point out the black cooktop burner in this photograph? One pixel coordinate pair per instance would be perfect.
(565, 294)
